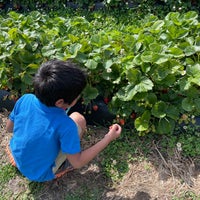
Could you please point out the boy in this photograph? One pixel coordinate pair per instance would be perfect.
(44, 137)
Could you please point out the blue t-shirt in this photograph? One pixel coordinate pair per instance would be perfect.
(39, 133)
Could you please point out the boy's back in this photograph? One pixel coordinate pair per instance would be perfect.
(38, 135)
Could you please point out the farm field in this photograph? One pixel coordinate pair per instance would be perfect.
(143, 66)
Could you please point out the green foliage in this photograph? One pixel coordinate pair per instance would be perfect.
(149, 66)
(189, 138)
(186, 139)
(120, 153)
(7, 172)
(113, 164)
(187, 195)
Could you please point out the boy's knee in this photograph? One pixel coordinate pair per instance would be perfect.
(80, 120)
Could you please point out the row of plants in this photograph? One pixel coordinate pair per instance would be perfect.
(146, 70)
(158, 7)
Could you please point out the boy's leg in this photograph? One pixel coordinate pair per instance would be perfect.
(62, 159)
(10, 156)
(62, 165)
(80, 121)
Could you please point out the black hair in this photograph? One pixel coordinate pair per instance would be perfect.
(57, 79)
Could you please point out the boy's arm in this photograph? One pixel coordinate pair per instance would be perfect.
(80, 159)
(9, 126)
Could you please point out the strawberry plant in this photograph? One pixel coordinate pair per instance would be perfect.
(148, 67)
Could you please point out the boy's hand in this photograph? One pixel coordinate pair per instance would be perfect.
(80, 159)
(114, 132)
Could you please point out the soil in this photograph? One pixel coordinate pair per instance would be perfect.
(158, 177)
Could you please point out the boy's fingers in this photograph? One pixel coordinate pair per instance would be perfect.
(115, 126)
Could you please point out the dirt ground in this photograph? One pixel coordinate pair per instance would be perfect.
(159, 177)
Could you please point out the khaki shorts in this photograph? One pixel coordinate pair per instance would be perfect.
(62, 157)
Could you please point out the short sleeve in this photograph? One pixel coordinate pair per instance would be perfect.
(70, 140)
(15, 109)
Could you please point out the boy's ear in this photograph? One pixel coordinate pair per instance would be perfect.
(59, 103)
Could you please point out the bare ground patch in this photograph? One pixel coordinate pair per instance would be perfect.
(157, 177)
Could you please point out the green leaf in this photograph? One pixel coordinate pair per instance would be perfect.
(36, 15)
(177, 33)
(197, 104)
(193, 92)
(145, 85)
(165, 125)
(26, 57)
(190, 50)
(160, 58)
(81, 57)
(182, 33)
(145, 67)
(164, 36)
(161, 72)
(108, 63)
(169, 80)
(147, 56)
(89, 93)
(4, 55)
(32, 67)
(151, 98)
(184, 84)
(193, 70)
(156, 48)
(142, 123)
(133, 75)
(176, 67)
(197, 41)
(128, 92)
(159, 109)
(172, 112)
(26, 78)
(191, 15)
(137, 60)
(137, 46)
(149, 39)
(73, 38)
(188, 104)
(195, 80)
(91, 64)
(95, 40)
(74, 48)
(173, 16)
(176, 52)
(14, 15)
(157, 26)
(48, 51)
(13, 33)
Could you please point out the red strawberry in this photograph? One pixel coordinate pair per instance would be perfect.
(122, 121)
(95, 107)
(106, 100)
(164, 91)
(133, 115)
